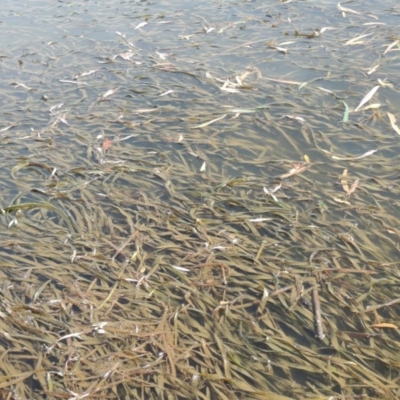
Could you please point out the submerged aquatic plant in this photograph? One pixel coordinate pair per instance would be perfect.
(200, 204)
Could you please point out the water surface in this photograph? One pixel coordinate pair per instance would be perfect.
(197, 201)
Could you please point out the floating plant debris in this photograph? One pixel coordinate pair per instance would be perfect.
(200, 200)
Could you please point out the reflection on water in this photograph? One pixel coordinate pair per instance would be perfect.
(192, 208)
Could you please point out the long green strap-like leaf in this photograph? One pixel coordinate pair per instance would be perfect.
(26, 206)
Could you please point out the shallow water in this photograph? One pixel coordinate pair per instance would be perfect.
(189, 209)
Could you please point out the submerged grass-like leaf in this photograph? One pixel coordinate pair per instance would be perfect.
(144, 259)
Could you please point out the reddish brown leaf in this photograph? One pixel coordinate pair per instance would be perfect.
(107, 143)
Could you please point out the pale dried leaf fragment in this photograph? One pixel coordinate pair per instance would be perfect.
(340, 200)
(367, 97)
(353, 187)
(229, 87)
(374, 23)
(166, 93)
(327, 28)
(385, 325)
(141, 25)
(144, 110)
(270, 192)
(373, 106)
(281, 49)
(6, 128)
(108, 93)
(203, 125)
(221, 30)
(85, 73)
(373, 69)
(294, 171)
(73, 82)
(393, 123)
(368, 153)
(186, 37)
(286, 43)
(230, 90)
(257, 220)
(296, 117)
(163, 56)
(182, 269)
(344, 10)
(393, 231)
(20, 84)
(390, 47)
(127, 55)
(55, 107)
(242, 77)
(383, 83)
(325, 90)
(63, 119)
(356, 40)
(283, 81)
(387, 304)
